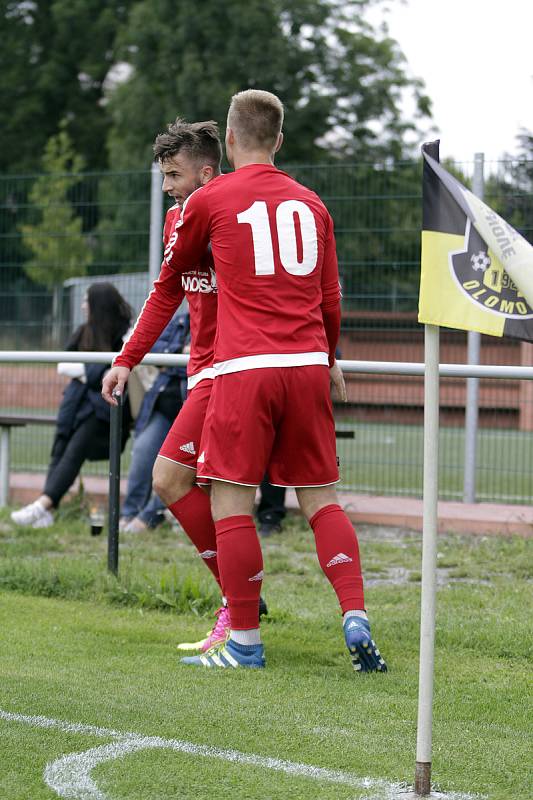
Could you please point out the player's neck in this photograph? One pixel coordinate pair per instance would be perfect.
(246, 158)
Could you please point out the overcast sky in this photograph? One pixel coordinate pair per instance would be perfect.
(476, 58)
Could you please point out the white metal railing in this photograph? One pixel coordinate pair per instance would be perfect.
(348, 367)
(368, 367)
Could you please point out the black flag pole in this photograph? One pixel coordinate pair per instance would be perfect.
(115, 440)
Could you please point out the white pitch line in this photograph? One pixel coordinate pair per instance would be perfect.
(68, 727)
(70, 775)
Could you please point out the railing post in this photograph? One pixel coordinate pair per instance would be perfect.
(472, 384)
(115, 442)
(4, 466)
(156, 223)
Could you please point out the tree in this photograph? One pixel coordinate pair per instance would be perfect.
(510, 190)
(59, 247)
(55, 61)
(340, 80)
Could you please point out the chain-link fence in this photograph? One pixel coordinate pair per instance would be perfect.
(100, 229)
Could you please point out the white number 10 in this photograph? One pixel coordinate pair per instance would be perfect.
(257, 217)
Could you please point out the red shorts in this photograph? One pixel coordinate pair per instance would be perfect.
(182, 444)
(277, 420)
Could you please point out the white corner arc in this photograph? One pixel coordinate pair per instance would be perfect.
(70, 776)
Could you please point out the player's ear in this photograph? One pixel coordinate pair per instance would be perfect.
(279, 142)
(206, 173)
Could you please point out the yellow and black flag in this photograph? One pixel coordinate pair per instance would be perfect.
(477, 271)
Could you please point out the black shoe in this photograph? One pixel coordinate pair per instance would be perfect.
(266, 529)
(263, 610)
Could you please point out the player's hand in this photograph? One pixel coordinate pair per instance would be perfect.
(114, 383)
(338, 387)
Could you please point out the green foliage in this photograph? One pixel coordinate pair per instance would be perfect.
(124, 221)
(340, 79)
(169, 591)
(510, 190)
(67, 59)
(118, 73)
(377, 213)
(54, 60)
(58, 246)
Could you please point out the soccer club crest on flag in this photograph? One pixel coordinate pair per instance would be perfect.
(477, 271)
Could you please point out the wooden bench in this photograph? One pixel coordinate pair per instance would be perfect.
(7, 422)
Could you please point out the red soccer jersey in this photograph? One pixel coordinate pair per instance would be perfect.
(200, 288)
(274, 251)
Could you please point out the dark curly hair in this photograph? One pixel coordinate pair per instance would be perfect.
(200, 140)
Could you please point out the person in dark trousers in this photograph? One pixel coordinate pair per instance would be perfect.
(271, 509)
(82, 427)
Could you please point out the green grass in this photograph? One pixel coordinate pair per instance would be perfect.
(388, 459)
(382, 459)
(82, 646)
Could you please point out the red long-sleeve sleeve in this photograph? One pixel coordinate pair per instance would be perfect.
(330, 306)
(159, 308)
(332, 326)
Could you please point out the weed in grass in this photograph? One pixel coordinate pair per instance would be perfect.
(169, 591)
(48, 579)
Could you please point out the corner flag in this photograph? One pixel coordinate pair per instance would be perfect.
(477, 271)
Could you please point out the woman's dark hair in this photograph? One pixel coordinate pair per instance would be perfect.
(109, 318)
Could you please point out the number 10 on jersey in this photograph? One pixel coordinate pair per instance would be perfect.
(286, 214)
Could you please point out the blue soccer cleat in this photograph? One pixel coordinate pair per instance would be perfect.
(365, 655)
(230, 654)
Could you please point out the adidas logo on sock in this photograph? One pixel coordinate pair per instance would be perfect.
(188, 448)
(208, 554)
(340, 558)
(258, 577)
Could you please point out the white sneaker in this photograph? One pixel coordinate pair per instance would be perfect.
(123, 523)
(31, 514)
(45, 521)
(135, 525)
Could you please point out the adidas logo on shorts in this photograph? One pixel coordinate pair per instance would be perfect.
(201, 457)
(208, 554)
(258, 577)
(340, 558)
(188, 448)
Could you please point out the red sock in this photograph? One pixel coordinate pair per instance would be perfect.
(338, 553)
(241, 565)
(193, 512)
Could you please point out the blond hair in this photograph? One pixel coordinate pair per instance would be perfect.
(256, 118)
